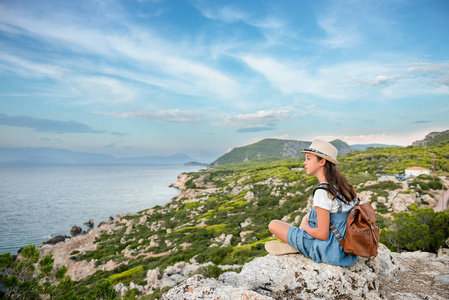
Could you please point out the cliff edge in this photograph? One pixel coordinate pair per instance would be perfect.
(414, 275)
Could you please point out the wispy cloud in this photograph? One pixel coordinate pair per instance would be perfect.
(346, 80)
(251, 122)
(47, 125)
(430, 68)
(339, 35)
(258, 119)
(420, 122)
(163, 116)
(231, 14)
(254, 129)
(272, 27)
(45, 139)
(404, 139)
(139, 50)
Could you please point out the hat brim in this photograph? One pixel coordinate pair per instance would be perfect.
(329, 159)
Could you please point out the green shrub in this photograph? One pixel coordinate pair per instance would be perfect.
(126, 275)
(104, 290)
(381, 208)
(422, 229)
(435, 185)
(32, 277)
(210, 271)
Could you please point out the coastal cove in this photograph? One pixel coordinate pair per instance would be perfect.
(42, 201)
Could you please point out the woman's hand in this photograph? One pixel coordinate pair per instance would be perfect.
(304, 222)
(320, 232)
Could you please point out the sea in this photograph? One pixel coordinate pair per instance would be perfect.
(38, 202)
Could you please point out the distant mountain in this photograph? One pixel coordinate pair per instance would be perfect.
(364, 146)
(272, 149)
(433, 138)
(63, 156)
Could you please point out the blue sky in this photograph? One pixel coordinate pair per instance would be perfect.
(137, 78)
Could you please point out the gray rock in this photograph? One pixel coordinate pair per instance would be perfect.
(75, 230)
(292, 277)
(56, 239)
(443, 279)
(197, 287)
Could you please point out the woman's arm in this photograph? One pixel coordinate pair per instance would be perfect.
(321, 232)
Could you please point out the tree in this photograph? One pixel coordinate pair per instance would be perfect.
(422, 229)
(29, 277)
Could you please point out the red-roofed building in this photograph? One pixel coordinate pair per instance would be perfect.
(416, 171)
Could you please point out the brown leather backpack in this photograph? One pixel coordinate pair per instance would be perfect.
(362, 234)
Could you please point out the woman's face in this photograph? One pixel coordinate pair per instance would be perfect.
(312, 164)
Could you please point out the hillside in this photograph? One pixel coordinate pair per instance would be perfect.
(272, 150)
(218, 223)
(364, 146)
(433, 138)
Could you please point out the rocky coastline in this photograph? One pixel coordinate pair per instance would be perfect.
(389, 276)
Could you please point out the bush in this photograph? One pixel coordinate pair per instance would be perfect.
(125, 275)
(422, 229)
(22, 281)
(210, 271)
(435, 185)
(104, 290)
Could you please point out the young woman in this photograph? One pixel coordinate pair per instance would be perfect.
(314, 238)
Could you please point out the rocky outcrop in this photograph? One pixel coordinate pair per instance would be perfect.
(90, 223)
(75, 230)
(63, 252)
(56, 239)
(181, 181)
(297, 277)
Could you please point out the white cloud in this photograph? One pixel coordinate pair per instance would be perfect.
(164, 63)
(230, 14)
(404, 139)
(430, 68)
(28, 69)
(348, 81)
(382, 80)
(262, 117)
(226, 14)
(287, 79)
(250, 120)
(95, 89)
(163, 116)
(273, 28)
(339, 35)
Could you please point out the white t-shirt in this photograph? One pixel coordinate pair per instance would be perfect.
(321, 199)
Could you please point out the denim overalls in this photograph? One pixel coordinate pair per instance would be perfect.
(328, 251)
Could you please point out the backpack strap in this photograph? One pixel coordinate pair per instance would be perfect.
(336, 233)
(355, 201)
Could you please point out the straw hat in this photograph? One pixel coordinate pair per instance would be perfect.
(323, 149)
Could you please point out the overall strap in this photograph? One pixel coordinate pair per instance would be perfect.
(355, 201)
(325, 186)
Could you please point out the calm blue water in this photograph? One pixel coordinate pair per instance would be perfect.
(38, 202)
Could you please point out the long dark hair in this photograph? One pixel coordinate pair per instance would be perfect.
(336, 179)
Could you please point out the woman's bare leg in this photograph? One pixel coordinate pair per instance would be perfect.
(279, 229)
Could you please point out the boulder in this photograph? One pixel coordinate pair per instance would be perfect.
(249, 196)
(197, 287)
(293, 277)
(56, 239)
(407, 275)
(90, 223)
(75, 230)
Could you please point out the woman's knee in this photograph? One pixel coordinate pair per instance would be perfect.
(272, 226)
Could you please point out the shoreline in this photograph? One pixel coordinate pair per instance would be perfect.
(46, 236)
